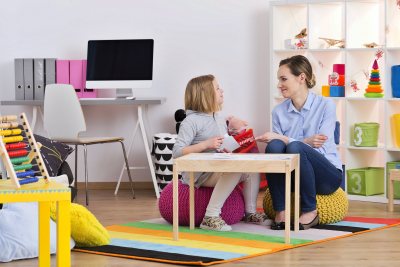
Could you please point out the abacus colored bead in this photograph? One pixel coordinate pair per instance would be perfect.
(18, 153)
(24, 174)
(19, 160)
(28, 180)
(15, 146)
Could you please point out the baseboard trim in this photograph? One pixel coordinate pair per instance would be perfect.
(113, 185)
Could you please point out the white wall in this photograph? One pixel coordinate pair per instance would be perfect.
(226, 38)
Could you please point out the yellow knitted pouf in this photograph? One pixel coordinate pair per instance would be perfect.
(331, 208)
(86, 230)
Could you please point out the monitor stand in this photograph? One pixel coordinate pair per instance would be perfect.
(125, 93)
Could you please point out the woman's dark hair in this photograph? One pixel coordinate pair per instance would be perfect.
(298, 65)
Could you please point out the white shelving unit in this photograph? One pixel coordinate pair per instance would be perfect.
(358, 22)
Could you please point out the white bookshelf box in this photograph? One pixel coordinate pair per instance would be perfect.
(392, 17)
(285, 25)
(357, 60)
(326, 20)
(361, 22)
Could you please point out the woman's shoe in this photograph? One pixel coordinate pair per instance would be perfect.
(278, 225)
(313, 223)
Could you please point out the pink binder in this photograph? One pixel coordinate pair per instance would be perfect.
(75, 76)
(62, 71)
(87, 93)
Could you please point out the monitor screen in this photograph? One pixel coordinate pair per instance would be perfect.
(120, 63)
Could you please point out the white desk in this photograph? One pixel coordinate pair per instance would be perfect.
(139, 101)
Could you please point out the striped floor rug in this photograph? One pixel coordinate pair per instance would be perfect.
(152, 240)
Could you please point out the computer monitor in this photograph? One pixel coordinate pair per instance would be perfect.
(120, 64)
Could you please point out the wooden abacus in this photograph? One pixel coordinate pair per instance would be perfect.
(13, 150)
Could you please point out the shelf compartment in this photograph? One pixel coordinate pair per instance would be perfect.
(287, 26)
(363, 23)
(357, 111)
(328, 58)
(326, 20)
(392, 59)
(356, 61)
(392, 17)
(392, 107)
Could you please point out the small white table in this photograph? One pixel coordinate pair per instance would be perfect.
(258, 163)
(141, 102)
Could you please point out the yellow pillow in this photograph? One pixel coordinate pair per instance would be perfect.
(85, 228)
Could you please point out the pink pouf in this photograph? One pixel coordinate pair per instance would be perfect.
(232, 211)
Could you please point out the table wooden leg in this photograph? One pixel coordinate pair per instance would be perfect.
(191, 201)
(44, 233)
(287, 207)
(390, 185)
(296, 198)
(175, 203)
(63, 233)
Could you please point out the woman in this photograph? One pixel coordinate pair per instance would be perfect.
(303, 124)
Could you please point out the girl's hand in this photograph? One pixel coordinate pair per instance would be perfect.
(267, 137)
(316, 140)
(214, 142)
(225, 150)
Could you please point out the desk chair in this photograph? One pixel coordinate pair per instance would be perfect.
(64, 121)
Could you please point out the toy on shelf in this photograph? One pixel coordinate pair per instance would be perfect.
(374, 88)
(370, 45)
(235, 125)
(302, 44)
(325, 90)
(302, 34)
(332, 42)
(13, 150)
(353, 85)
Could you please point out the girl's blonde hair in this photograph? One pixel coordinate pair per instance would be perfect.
(200, 95)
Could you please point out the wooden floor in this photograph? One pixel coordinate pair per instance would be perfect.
(377, 248)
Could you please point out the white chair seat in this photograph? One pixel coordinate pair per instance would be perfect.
(96, 139)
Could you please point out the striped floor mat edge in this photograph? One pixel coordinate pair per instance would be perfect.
(152, 240)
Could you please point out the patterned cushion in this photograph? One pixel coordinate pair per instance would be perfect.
(331, 208)
(232, 211)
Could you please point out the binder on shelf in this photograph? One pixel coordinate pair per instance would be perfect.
(75, 76)
(87, 93)
(28, 78)
(62, 68)
(19, 78)
(38, 80)
(49, 71)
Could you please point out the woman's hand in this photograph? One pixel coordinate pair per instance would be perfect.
(214, 142)
(225, 150)
(267, 137)
(317, 140)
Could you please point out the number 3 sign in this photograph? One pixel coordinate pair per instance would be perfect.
(357, 136)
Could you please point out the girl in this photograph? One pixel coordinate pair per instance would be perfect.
(203, 131)
(303, 124)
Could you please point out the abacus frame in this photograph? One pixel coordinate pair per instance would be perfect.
(35, 152)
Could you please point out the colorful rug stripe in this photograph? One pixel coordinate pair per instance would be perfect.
(173, 249)
(152, 240)
(188, 243)
(197, 237)
(237, 235)
(148, 254)
(372, 220)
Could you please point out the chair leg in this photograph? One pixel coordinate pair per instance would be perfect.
(76, 166)
(86, 176)
(127, 167)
